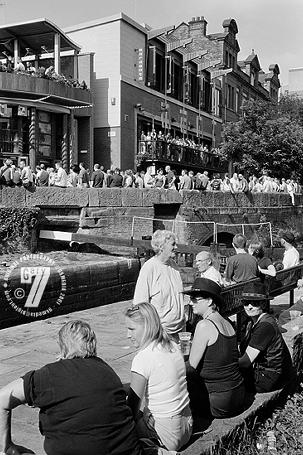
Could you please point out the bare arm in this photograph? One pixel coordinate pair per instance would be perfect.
(271, 271)
(11, 396)
(136, 392)
(199, 344)
(248, 357)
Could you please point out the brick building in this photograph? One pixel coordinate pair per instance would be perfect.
(177, 79)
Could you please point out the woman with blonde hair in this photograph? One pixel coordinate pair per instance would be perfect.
(82, 402)
(158, 373)
(160, 283)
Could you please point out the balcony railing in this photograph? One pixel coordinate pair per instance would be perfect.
(27, 84)
(168, 152)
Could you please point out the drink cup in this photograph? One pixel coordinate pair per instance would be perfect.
(185, 338)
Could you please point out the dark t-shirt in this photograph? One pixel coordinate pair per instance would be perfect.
(116, 181)
(264, 263)
(97, 179)
(83, 174)
(241, 267)
(169, 179)
(43, 178)
(83, 408)
(267, 338)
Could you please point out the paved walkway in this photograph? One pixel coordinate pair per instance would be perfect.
(32, 345)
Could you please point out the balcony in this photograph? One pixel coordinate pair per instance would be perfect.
(181, 156)
(31, 87)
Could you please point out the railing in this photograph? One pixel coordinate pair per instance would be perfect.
(169, 152)
(285, 281)
(25, 83)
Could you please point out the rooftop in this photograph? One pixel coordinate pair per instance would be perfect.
(32, 35)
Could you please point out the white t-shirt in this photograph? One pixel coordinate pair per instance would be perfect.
(166, 390)
(291, 258)
(61, 177)
(161, 285)
(213, 274)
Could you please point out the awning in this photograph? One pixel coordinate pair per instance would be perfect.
(32, 35)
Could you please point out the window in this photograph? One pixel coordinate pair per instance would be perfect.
(237, 100)
(230, 96)
(217, 102)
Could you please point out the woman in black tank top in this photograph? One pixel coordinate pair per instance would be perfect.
(214, 377)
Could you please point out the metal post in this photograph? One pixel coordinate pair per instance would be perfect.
(57, 53)
(32, 139)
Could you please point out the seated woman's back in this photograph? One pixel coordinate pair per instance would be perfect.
(219, 364)
(166, 392)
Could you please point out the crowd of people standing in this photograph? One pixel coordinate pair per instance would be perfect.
(81, 177)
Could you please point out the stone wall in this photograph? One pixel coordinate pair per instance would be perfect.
(111, 211)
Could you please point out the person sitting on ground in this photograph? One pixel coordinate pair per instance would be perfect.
(204, 262)
(82, 402)
(160, 283)
(265, 361)
(213, 358)
(158, 373)
(242, 266)
(291, 255)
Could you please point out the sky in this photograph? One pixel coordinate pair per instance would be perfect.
(273, 28)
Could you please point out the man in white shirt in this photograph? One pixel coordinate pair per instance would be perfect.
(26, 174)
(61, 176)
(204, 262)
(291, 255)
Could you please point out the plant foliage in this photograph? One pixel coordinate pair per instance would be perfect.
(16, 227)
(267, 137)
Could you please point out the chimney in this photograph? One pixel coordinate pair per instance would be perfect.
(197, 26)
